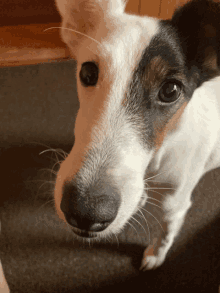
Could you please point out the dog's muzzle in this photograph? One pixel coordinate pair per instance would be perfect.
(89, 212)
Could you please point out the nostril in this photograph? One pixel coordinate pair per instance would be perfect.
(96, 227)
(85, 224)
(71, 220)
(99, 226)
(69, 193)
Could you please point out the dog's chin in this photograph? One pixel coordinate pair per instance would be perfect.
(84, 234)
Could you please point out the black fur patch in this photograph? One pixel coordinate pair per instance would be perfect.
(186, 49)
(198, 28)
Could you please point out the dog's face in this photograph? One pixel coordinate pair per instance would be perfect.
(134, 84)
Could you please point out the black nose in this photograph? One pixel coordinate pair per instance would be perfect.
(91, 211)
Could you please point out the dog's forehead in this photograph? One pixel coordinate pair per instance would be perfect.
(119, 41)
(133, 61)
(133, 43)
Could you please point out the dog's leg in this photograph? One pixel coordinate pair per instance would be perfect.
(176, 205)
(3, 284)
(186, 174)
(188, 154)
(155, 253)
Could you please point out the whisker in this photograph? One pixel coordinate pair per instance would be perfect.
(147, 183)
(65, 154)
(55, 151)
(154, 199)
(159, 188)
(158, 192)
(153, 204)
(75, 31)
(49, 170)
(155, 175)
(51, 182)
(116, 238)
(46, 182)
(145, 221)
(47, 193)
(43, 205)
(58, 162)
(153, 217)
(41, 144)
(154, 181)
(41, 180)
(49, 148)
(106, 239)
(133, 228)
(139, 224)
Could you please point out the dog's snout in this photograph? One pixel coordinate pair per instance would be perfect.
(88, 212)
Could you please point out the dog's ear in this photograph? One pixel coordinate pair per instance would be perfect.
(89, 6)
(86, 16)
(198, 29)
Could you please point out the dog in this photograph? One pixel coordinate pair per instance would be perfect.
(3, 283)
(149, 93)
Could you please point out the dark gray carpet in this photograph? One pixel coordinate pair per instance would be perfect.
(40, 255)
(39, 103)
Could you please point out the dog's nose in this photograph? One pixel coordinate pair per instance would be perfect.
(89, 212)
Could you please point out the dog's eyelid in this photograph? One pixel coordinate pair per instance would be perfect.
(172, 79)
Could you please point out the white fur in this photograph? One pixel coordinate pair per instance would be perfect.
(116, 62)
(185, 155)
(184, 158)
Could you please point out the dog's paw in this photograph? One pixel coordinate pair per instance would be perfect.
(151, 262)
(152, 258)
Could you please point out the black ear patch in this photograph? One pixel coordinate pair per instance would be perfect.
(198, 28)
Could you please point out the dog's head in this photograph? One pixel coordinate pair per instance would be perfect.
(135, 77)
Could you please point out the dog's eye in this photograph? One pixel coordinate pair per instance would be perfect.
(89, 74)
(170, 92)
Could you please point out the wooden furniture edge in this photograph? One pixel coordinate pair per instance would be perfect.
(31, 44)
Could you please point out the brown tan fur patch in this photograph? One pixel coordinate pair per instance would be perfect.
(172, 124)
(210, 58)
(155, 71)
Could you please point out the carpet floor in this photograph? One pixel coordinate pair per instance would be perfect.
(39, 254)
